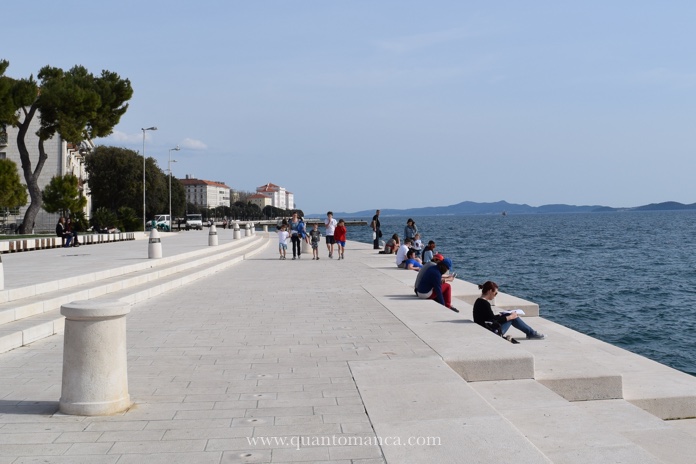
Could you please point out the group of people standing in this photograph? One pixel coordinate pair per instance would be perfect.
(295, 231)
(434, 277)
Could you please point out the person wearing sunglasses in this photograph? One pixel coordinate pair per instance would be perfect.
(499, 323)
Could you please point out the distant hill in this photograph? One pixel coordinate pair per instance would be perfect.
(499, 207)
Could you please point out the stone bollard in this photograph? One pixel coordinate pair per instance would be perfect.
(212, 236)
(2, 275)
(306, 246)
(253, 228)
(247, 230)
(265, 227)
(154, 248)
(237, 234)
(95, 364)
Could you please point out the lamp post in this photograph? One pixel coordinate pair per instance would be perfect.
(145, 129)
(171, 219)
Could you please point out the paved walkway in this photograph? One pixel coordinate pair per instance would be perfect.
(296, 361)
(259, 350)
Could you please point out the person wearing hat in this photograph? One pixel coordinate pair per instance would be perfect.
(432, 287)
(436, 259)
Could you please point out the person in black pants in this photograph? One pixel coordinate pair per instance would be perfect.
(376, 229)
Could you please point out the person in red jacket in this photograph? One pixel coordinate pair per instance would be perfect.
(340, 237)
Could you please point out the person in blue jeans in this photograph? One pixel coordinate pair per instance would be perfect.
(483, 314)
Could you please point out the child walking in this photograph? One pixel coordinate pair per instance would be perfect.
(283, 236)
(340, 237)
(315, 236)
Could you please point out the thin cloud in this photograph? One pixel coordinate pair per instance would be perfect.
(193, 144)
(407, 44)
(122, 137)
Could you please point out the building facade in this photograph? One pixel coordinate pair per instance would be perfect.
(259, 200)
(279, 197)
(206, 193)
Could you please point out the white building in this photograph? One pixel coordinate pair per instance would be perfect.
(63, 158)
(280, 198)
(206, 193)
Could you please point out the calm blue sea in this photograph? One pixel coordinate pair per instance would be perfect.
(628, 278)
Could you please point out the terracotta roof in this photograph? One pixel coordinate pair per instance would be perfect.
(268, 188)
(203, 182)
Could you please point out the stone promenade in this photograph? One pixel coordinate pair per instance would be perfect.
(302, 361)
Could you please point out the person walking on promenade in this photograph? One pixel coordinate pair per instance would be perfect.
(283, 240)
(296, 231)
(376, 230)
(484, 316)
(330, 224)
(410, 230)
(432, 287)
(340, 237)
(315, 237)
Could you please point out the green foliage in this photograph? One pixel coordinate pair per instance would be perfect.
(74, 104)
(116, 180)
(79, 220)
(103, 218)
(130, 221)
(12, 192)
(62, 195)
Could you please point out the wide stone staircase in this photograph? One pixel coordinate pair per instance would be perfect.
(32, 312)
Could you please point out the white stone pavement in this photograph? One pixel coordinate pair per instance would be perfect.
(226, 368)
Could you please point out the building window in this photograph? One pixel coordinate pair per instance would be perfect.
(3, 155)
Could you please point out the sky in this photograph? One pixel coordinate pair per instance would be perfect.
(365, 104)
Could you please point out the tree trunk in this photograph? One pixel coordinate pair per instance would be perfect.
(32, 178)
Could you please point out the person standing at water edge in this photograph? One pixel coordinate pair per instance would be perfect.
(330, 224)
(483, 312)
(410, 230)
(377, 232)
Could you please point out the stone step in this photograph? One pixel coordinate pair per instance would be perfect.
(588, 431)
(130, 288)
(423, 399)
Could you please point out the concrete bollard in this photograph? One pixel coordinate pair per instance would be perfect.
(265, 227)
(2, 275)
(95, 364)
(237, 234)
(253, 228)
(247, 231)
(154, 247)
(212, 236)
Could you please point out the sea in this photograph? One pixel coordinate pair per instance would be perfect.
(627, 278)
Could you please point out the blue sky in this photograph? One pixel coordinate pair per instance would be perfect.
(356, 105)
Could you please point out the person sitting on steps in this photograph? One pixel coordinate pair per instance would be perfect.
(499, 323)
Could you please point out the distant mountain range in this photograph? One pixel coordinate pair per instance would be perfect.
(503, 207)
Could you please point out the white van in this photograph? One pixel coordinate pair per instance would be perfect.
(163, 221)
(194, 221)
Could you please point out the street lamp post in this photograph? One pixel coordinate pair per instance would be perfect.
(145, 129)
(171, 219)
